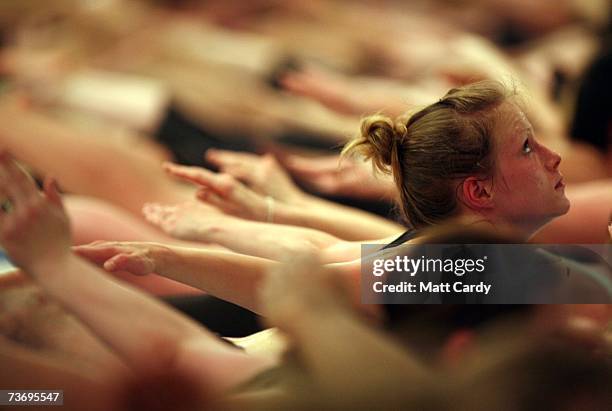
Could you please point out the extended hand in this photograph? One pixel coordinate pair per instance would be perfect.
(302, 289)
(223, 192)
(133, 257)
(191, 220)
(330, 89)
(346, 177)
(34, 228)
(261, 173)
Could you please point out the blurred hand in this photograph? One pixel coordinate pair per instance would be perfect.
(301, 289)
(223, 191)
(588, 333)
(34, 228)
(137, 258)
(187, 221)
(39, 70)
(348, 178)
(331, 90)
(261, 173)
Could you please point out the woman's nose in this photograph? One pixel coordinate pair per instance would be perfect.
(553, 159)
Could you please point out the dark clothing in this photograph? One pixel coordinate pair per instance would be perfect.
(404, 238)
(220, 317)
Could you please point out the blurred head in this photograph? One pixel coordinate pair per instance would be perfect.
(592, 121)
(517, 372)
(471, 153)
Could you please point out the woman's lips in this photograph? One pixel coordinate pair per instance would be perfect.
(559, 185)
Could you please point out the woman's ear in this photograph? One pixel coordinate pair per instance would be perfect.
(477, 193)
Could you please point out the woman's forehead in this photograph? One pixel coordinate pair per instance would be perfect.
(511, 123)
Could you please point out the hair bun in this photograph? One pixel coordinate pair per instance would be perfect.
(379, 141)
(379, 133)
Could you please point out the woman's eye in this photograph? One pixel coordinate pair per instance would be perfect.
(526, 147)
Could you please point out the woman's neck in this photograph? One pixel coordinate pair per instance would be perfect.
(522, 231)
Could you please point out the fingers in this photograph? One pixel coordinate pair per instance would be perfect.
(134, 263)
(97, 252)
(17, 195)
(164, 217)
(19, 187)
(17, 184)
(240, 171)
(321, 179)
(246, 167)
(151, 212)
(327, 89)
(301, 83)
(225, 157)
(218, 183)
(212, 199)
(325, 184)
(195, 175)
(309, 166)
(113, 257)
(51, 191)
(156, 213)
(32, 228)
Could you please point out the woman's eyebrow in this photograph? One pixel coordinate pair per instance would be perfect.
(522, 139)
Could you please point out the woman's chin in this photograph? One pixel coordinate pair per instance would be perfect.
(565, 207)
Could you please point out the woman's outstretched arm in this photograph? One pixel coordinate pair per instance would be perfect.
(226, 193)
(195, 222)
(227, 275)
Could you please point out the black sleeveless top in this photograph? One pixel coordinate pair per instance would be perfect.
(405, 237)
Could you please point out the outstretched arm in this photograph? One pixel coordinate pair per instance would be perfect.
(227, 275)
(356, 95)
(147, 335)
(328, 174)
(123, 175)
(226, 193)
(193, 221)
(341, 177)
